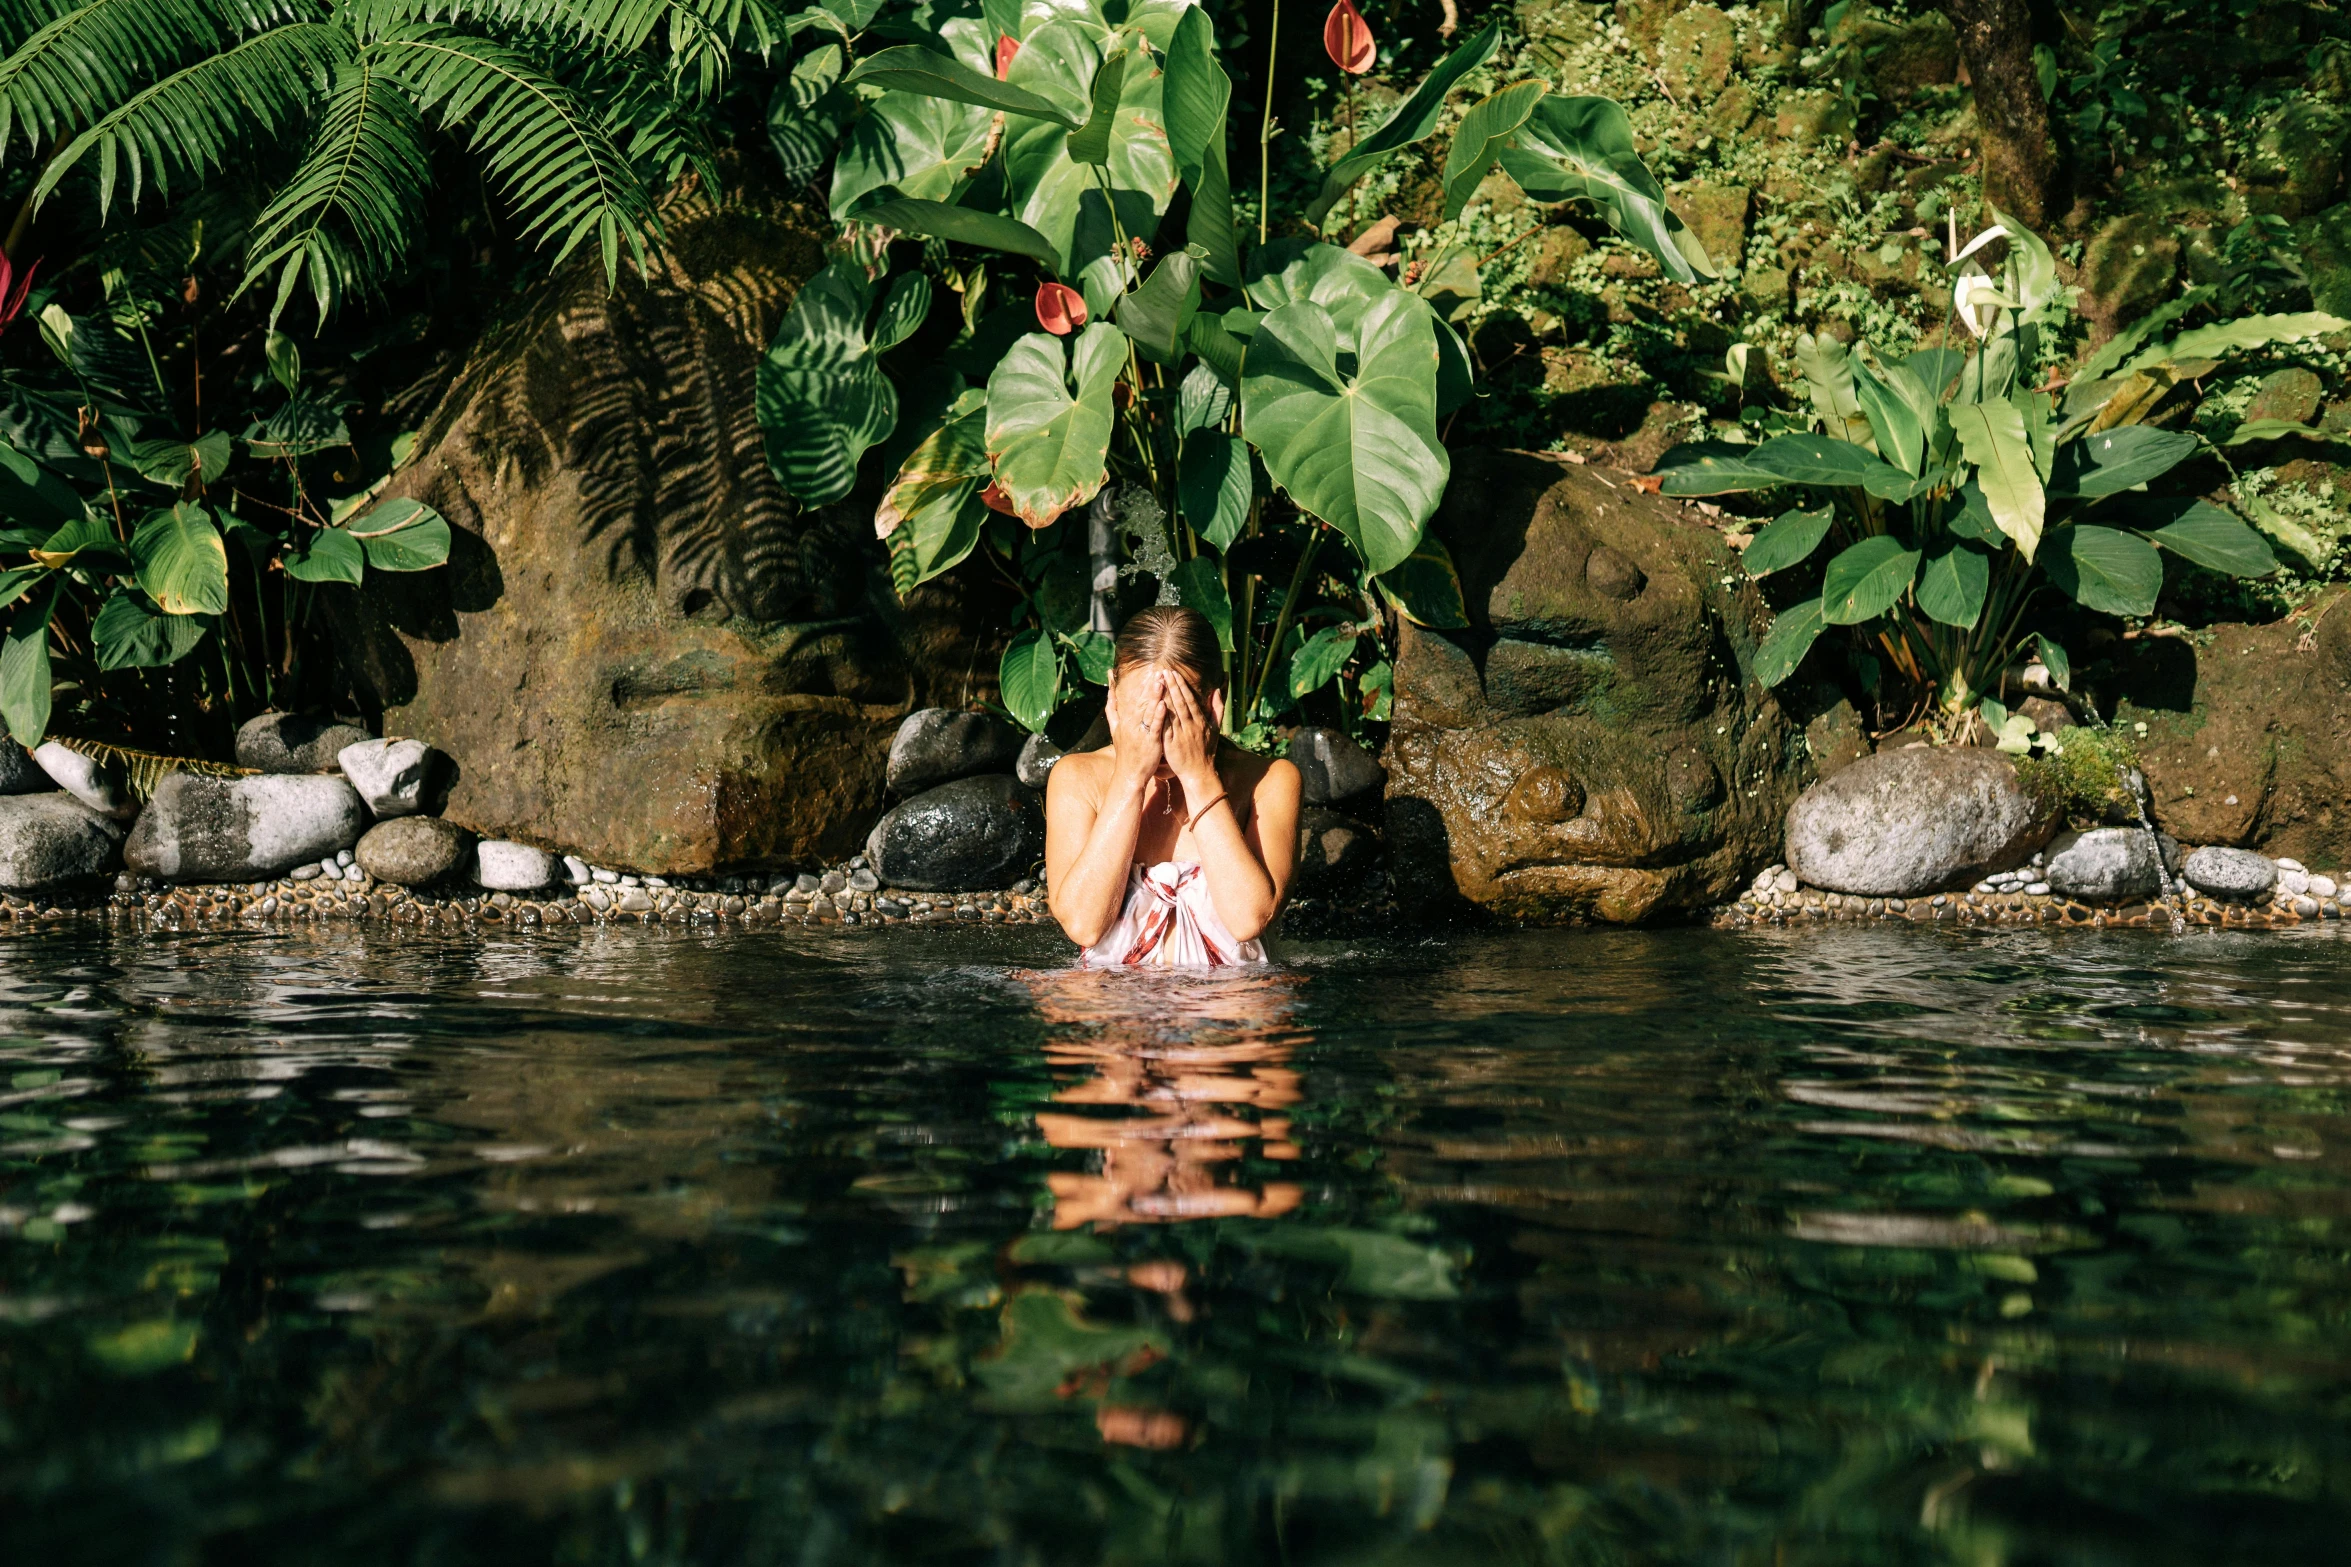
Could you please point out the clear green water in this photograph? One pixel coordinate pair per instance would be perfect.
(1854, 1245)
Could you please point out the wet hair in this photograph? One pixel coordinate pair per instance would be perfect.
(1170, 634)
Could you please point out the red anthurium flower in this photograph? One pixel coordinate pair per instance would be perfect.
(13, 289)
(1346, 38)
(1006, 48)
(1061, 309)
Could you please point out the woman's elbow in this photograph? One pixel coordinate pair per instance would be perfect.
(1085, 932)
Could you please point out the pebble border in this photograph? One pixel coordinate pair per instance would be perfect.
(1810, 905)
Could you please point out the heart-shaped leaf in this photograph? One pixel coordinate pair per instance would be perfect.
(1866, 580)
(921, 148)
(1050, 417)
(1360, 450)
(1090, 143)
(1064, 199)
(129, 633)
(182, 562)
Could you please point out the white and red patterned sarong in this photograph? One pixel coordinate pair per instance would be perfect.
(1169, 922)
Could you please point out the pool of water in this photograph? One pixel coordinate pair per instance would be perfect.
(1688, 1246)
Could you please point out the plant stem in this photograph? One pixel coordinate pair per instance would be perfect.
(1281, 620)
(1273, 42)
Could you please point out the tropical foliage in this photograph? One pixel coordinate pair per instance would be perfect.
(1048, 303)
(1952, 503)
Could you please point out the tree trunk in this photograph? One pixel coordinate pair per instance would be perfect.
(2019, 150)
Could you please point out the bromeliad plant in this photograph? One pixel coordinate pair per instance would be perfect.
(1949, 494)
(1119, 346)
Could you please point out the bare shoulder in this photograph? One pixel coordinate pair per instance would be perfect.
(1254, 774)
(1078, 775)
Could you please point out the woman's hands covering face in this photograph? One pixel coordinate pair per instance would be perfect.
(1190, 739)
(1138, 720)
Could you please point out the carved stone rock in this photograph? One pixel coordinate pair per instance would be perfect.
(642, 651)
(1591, 746)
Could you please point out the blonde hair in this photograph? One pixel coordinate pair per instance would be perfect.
(1170, 634)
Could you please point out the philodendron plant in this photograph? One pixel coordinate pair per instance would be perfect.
(1947, 494)
(1065, 165)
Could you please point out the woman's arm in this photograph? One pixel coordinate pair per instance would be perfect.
(1090, 833)
(1248, 872)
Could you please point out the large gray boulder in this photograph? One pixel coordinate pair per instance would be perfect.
(394, 777)
(100, 785)
(1332, 767)
(413, 851)
(50, 838)
(242, 829)
(937, 745)
(2231, 873)
(19, 773)
(1037, 756)
(2107, 864)
(971, 834)
(294, 743)
(1911, 821)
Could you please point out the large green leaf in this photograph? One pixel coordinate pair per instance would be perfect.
(1790, 638)
(1090, 143)
(1197, 96)
(1199, 587)
(953, 456)
(1714, 468)
(1156, 314)
(1830, 383)
(1953, 583)
(1203, 398)
(910, 68)
(822, 398)
(920, 147)
(2217, 541)
(963, 225)
(1791, 537)
(1213, 486)
(182, 561)
(1049, 441)
(807, 111)
(1993, 436)
(2105, 569)
(331, 555)
(24, 668)
(1426, 588)
(1486, 127)
(129, 633)
(1358, 450)
(1865, 580)
(1583, 147)
(1410, 121)
(403, 535)
(1030, 676)
(1341, 282)
(943, 530)
(2244, 333)
(1318, 663)
(1823, 461)
(1895, 424)
(1057, 195)
(2111, 461)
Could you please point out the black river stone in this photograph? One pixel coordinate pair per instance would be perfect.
(972, 834)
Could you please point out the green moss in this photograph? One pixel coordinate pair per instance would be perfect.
(2082, 772)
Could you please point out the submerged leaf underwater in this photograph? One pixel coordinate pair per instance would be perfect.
(1852, 1245)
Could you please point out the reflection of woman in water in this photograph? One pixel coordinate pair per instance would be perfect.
(1170, 847)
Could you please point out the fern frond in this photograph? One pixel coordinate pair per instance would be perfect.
(193, 119)
(82, 62)
(701, 35)
(663, 131)
(144, 771)
(356, 199)
(547, 151)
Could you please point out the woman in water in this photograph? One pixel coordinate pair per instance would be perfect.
(1169, 848)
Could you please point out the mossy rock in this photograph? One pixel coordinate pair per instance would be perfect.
(1696, 50)
(1813, 117)
(2296, 164)
(1717, 214)
(1591, 395)
(2326, 255)
(2293, 395)
(2128, 269)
